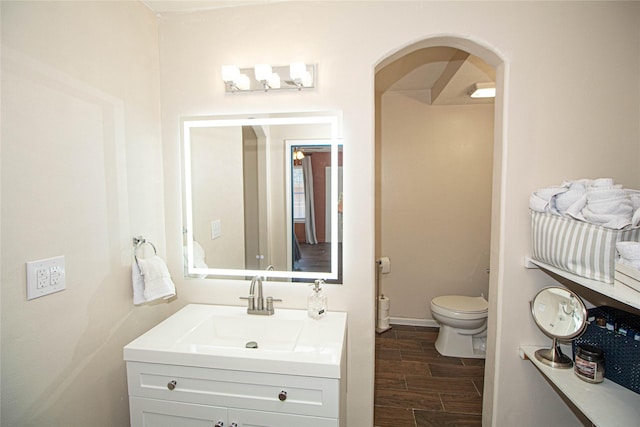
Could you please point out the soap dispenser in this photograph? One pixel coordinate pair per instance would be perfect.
(317, 301)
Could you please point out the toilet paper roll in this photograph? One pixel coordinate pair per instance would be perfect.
(385, 264)
(383, 323)
(384, 303)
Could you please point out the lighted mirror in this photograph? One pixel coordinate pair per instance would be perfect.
(262, 196)
(561, 315)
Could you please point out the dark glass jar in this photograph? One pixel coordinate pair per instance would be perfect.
(589, 363)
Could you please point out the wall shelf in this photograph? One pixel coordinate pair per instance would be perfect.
(606, 404)
(621, 294)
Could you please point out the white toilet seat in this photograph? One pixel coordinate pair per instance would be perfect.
(460, 307)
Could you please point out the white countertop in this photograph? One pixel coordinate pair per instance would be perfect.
(317, 349)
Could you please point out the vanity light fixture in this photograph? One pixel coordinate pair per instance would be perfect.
(234, 79)
(300, 75)
(483, 90)
(266, 77)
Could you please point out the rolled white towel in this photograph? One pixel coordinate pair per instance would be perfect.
(612, 213)
(634, 195)
(608, 204)
(157, 280)
(569, 199)
(543, 199)
(620, 205)
(601, 182)
(630, 262)
(629, 250)
(597, 194)
(548, 192)
(538, 204)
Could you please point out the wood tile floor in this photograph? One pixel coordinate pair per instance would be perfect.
(417, 387)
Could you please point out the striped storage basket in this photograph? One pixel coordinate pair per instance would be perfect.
(578, 247)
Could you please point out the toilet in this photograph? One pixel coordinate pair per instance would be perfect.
(463, 325)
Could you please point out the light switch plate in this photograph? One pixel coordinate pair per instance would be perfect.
(216, 229)
(45, 277)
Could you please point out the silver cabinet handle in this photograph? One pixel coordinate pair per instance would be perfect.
(172, 384)
(219, 424)
(282, 396)
(233, 425)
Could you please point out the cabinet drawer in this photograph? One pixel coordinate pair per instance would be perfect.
(246, 418)
(160, 413)
(235, 389)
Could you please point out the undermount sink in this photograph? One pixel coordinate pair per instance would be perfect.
(226, 337)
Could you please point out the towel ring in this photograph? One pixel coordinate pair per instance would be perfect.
(138, 242)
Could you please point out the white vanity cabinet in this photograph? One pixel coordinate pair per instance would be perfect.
(167, 395)
(217, 366)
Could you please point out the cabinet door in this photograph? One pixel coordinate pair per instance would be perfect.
(247, 418)
(163, 413)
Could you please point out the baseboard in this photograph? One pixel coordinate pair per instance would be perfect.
(430, 323)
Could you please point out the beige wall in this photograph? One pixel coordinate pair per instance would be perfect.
(104, 57)
(81, 175)
(547, 60)
(217, 157)
(436, 202)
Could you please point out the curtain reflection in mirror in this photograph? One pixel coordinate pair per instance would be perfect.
(309, 205)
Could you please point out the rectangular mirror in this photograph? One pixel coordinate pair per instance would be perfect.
(254, 206)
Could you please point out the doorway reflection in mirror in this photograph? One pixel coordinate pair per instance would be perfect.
(311, 202)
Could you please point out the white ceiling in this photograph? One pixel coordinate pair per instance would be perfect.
(438, 75)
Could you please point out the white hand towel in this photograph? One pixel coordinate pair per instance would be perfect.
(138, 285)
(157, 280)
(602, 182)
(613, 213)
(569, 200)
(543, 200)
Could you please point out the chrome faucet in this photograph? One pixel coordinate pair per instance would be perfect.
(256, 303)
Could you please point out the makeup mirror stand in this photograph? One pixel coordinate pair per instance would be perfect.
(560, 314)
(553, 356)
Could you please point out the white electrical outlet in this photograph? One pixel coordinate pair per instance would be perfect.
(45, 277)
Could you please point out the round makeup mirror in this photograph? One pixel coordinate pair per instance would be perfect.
(561, 315)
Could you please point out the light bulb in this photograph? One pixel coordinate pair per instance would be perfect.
(243, 82)
(230, 73)
(297, 71)
(263, 72)
(274, 81)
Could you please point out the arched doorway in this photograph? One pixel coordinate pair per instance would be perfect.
(403, 62)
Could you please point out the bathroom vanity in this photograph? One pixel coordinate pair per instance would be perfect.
(211, 365)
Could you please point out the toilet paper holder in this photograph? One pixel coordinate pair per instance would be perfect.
(384, 263)
(382, 313)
